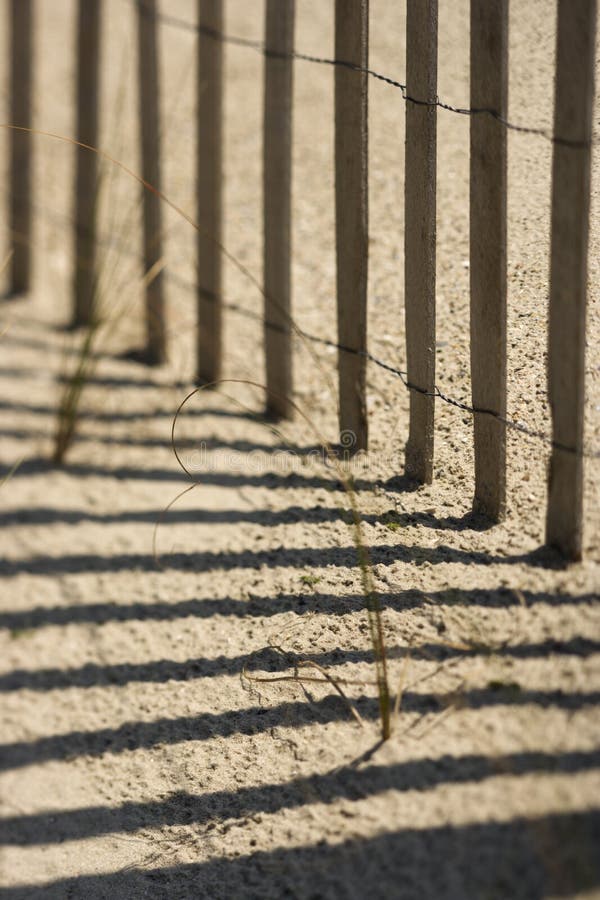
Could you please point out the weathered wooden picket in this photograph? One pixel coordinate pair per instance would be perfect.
(489, 90)
(574, 91)
(420, 178)
(21, 75)
(277, 200)
(86, 162)
(575, 62)
(149, 108)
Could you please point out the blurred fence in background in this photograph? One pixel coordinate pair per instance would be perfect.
(570, 203)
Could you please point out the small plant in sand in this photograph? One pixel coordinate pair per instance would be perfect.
(102, 320)
(83, 370)
(310, 580)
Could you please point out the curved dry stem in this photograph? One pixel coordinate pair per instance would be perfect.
(162, 517)
(309, 679)
(335, 683)
(312, 679)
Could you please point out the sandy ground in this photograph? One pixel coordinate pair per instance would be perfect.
(136, 758)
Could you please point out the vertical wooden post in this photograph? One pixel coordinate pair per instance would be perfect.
(574, 93)
(210, 178)
(351, 200)
(21, 79)
(420, 231)
(86, 178)
(489, 90)
(149, 105)
(277, 182)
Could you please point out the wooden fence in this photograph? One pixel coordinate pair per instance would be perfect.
(572, 138)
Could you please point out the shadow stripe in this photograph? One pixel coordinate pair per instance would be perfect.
(351, 784)
(524, 859)
(100, 613)
(163, 670)
(295, 557)
(292, 714)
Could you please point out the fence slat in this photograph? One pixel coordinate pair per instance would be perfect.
(209, 173)
(86, 177)
(420, 231)
(488, 179)
(149, 108)
(277, 178)
(21, 78)
(574, 93)
(351, 201)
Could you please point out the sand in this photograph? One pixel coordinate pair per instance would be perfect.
(140, 756)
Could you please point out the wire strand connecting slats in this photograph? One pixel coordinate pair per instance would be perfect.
(258, 46)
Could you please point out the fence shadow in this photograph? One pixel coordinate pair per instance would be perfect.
(348, 783)
(288, 714)
(524, 859)
(268, 660)
(290, 558)
(300, 604)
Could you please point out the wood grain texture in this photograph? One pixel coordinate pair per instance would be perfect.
(488, 182)
(351, 196)
(21, 79)
(86, 162)
(420, 231)
(149, 111)
(574, 94)
(277, 184)
(210, 187)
